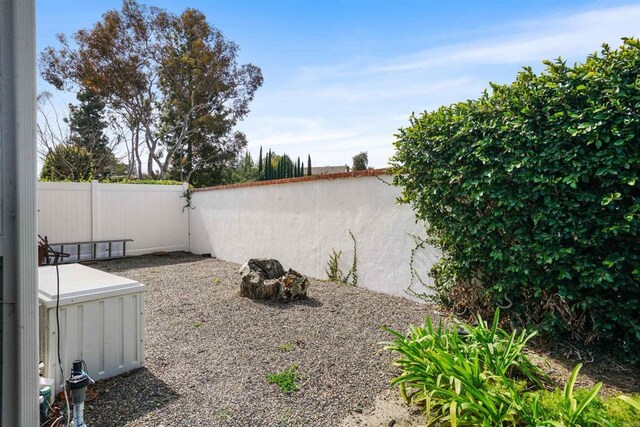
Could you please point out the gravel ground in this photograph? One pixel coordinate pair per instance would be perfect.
(208, 350)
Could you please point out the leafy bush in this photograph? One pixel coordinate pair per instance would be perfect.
(532, 192)
(141, 181)
(464, 373)
(480, 375)
(117, 181)
(67, 163)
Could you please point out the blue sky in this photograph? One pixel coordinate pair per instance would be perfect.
(341, 77)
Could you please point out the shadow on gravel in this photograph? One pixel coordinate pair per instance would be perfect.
(127, 397)
(145, 261)
(308, 302)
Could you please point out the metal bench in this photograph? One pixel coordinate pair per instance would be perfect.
(95, 254)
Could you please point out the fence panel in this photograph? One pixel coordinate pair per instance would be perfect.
(64, 211)
(151, 215)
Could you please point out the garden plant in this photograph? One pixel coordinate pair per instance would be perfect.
(464, 375)
(532, 192)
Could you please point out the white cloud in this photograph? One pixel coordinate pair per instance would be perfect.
(573, 35)
(335, 110)
(366, 92)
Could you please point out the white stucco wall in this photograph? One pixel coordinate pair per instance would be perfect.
(299, 223)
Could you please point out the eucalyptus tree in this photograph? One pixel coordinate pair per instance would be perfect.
(172, 80)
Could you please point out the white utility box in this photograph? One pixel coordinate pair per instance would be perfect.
(101, 322)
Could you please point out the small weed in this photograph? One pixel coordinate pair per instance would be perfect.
(217, 280)
(286, 380)
(286, 346)
(286, 418)
(333, 269)
(225, 415)
(353, 273)
(197, 324)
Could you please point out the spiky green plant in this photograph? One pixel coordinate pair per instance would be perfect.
(463, 374)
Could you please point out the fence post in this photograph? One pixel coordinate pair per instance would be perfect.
(185, 189)
(95, 210)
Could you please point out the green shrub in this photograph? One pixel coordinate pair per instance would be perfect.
(335, 274)
(141, 181)
(473, 374)
(480, 375)
(67, 163)
(533, 191)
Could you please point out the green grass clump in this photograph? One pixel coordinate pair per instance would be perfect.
(551, 406)
(480, 375)
(286, 346)
(286, 380)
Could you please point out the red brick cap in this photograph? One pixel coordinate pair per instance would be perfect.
(341, 175)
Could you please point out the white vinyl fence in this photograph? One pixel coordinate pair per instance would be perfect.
(300, 222)
(151, 215)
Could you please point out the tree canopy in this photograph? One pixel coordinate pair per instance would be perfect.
(172, 82)
(67, 163)
(361, 161)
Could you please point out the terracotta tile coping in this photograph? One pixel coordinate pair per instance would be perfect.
(370, 172)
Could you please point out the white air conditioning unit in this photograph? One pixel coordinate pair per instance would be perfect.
(101, 318)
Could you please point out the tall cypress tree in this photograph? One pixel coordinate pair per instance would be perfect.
(275, 168)
(87, 124)
(267, 166)
(279, 168)
(286, 166)
(309, 165)
(271, 171)
(298, 167)
(260, 177)
(302, 169)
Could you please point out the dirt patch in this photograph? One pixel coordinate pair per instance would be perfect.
(617, 378)
(389, 410)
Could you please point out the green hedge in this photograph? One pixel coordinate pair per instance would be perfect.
(141, 181)
(532, 192)
(120, 181)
